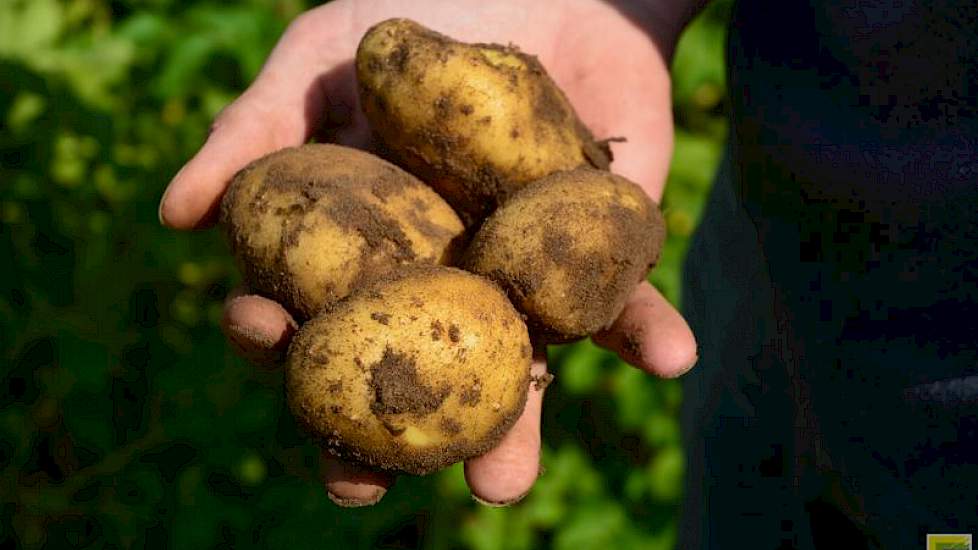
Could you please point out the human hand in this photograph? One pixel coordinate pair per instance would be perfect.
(610, 58)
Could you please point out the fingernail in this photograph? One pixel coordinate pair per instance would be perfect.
(346, 502)
(499, 504)
(159, 210)
(166, 192)
(255, 347)
(687, 368)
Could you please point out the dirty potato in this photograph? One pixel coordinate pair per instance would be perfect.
(308, 224)
(568, 249)
(474, 121)
(413, 372)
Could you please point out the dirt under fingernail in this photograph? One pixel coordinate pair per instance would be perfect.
(500, 504)
(346, 502)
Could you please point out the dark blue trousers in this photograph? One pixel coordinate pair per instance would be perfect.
(798, 438)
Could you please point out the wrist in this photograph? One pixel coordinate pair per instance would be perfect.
(663, 20)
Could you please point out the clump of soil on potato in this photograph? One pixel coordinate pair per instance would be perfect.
(397, 388)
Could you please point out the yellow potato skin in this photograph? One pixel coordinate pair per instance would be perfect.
(307, 224)
(412, 373)
(569, 249)
(474, 121)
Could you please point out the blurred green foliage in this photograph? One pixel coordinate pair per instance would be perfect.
(125, 420)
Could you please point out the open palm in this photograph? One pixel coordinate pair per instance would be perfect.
(611, 60)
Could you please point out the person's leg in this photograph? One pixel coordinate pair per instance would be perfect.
(909, 463)
(892, 452)
(738, 412)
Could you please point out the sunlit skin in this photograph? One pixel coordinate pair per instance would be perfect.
(610, 58)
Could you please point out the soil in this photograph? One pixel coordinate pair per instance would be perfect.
(472, 394)
(397, 388)
(541, 382)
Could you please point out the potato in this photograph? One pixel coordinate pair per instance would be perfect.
(568, 249)
(310, 223)
(414, 372)
(474, 121)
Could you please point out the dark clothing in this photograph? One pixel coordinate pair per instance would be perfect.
(833, 283)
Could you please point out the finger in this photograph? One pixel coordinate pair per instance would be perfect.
(237, 138)
(651, 335)
(257, 328)
(351, 486)
(281, 108)
(505, 474)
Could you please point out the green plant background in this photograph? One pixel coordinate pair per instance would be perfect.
(125, 420)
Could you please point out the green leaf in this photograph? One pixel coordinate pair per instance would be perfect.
(26, 107)
(87, 361)
(147, 30)
(184, 64)
(661, 429)
(487, 530)
(595, 525)
(691, 171)
(29, 26)
(698, 63)
(87, 419)
(251, 469)
(635, 396)
(451, 483)
(666, 474)
(580, 369)
(196, 521)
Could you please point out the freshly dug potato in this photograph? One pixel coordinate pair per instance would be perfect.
(413, 372)
(568, 249)
(310, 223)
(474, 121)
